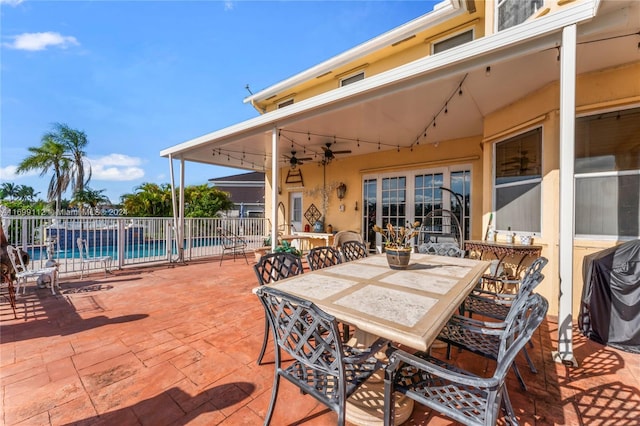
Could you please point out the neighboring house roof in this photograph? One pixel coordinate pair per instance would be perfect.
(245, 188)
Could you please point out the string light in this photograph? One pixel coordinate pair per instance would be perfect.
(444, 109)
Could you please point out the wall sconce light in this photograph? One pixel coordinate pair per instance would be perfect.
(341, 190)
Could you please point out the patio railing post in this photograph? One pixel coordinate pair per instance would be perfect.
(121, 242)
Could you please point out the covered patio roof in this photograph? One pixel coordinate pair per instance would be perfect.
(391, 110)
(454, 89)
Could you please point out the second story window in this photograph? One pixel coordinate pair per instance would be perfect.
(352, 79)
(456, 40)
(514, 12)
(285, 103)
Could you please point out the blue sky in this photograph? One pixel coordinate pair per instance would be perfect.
(140, 76)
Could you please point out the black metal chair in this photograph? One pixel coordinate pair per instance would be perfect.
(496, 305)
(460, 395)
(322, 257)
(467, 333)
(322, 366)
(273, 267)
(232, 244)
(352, 250)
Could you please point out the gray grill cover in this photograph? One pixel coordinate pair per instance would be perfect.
(610, 306)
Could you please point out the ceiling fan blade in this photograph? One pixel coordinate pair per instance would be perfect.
(346, 151)
(305, 159)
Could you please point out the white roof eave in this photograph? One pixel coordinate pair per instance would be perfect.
(513, 42)
(443, 11)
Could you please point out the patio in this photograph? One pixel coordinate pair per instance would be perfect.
(177, 344)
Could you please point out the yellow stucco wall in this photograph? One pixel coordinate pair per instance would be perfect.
(382, 60)
(607, 89)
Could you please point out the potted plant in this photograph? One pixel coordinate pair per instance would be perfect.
(266, 248)
(286, 247)
(397, 243)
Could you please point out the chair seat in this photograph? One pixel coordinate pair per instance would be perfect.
(492, 307)
(356, 373)
(430, 390)
(458, 333)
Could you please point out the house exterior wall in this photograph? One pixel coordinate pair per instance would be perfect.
(598, 91)
(382, 60)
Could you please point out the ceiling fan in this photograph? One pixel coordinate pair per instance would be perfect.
(295, 161)
(329, 154)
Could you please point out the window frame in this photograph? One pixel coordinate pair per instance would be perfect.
(534, 180)
(601, 174)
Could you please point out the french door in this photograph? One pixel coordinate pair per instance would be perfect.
(405, 197)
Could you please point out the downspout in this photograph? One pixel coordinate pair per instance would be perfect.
(564, 354)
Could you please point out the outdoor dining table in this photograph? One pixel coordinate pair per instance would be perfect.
(407, 307)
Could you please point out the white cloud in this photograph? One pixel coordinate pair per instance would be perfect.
(11, 2)
(116, 167)
(8, 173)
(228, 5)
(41, 41)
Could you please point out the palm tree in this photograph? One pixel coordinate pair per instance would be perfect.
(8, 190)
(149, 200)
(74, 142)
(26, 193)
(88, 197)
(49, 157)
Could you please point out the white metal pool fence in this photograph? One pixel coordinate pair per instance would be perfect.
(130, 241)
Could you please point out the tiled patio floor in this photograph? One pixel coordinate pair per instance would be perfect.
(176, 345)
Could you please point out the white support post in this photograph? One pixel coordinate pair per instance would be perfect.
(564, 354)
(274, 187)
(174, 205)
(180, 243)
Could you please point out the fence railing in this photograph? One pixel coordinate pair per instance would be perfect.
(130, 241)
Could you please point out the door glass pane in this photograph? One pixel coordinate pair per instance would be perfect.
(428, 194)
(460, 185)
(394, 199)
(369, 211)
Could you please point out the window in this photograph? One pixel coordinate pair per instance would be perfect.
(607, 174)
(454, 41)
(518, 178)
(514, 12)
(285, 103)
(352, 79)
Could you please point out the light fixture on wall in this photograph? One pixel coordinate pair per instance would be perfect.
(341, 190)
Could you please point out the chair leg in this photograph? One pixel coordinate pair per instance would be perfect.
(518, 376)
(532, 367)
(389, 412)
(264, 341)
(274, 396)
(507, 407)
